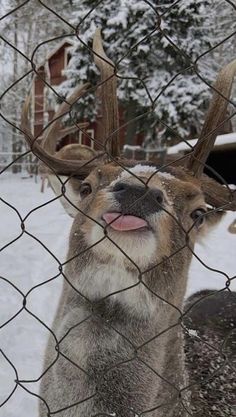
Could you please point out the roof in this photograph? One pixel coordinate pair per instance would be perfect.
(222, 142)
(54, 51)
(65, 43)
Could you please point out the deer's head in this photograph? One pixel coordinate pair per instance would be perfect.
(137, 213)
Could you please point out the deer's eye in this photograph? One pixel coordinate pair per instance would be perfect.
(198, 217)
(85, 189)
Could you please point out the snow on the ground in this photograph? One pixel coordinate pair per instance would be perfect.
(218, 252)
(26, 263)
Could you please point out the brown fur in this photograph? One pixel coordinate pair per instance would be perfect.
(117, 323)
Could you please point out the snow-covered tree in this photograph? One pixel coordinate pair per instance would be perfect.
(147, 60)
(225, 22)
(23, 30)
(224, 13)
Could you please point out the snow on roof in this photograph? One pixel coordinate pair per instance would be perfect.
(53, 51)
(132, 147)
(58, 47)
(221, 141)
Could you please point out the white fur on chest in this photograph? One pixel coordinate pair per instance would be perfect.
(97, 282)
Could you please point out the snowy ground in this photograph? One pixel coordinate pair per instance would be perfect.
(26, 263)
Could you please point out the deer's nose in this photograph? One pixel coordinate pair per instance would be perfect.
(138, 198)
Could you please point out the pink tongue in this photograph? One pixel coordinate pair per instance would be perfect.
(124, 222)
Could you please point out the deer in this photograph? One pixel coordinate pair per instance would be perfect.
(119, 344)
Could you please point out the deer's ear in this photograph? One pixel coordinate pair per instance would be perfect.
(219, 199)
(217, 195)
(68, 190)
(214, 216)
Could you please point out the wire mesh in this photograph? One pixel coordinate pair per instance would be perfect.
(128, 363)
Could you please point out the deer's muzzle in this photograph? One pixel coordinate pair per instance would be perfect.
(137, 200)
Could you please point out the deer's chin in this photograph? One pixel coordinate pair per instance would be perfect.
(138, 246)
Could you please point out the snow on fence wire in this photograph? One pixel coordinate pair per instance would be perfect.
(212, 373)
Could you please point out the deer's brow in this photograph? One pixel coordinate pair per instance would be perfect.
(193, 194)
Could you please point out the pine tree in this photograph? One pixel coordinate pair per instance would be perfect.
(146, 60)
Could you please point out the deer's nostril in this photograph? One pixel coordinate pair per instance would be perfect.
(159, 196)
(120, 186)
(137, 200)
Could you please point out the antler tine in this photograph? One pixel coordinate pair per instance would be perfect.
(72, 129)
(215, 116)
(61, 166)
(50, 136)
(109, 96)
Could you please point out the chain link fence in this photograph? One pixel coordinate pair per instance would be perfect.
(110, 385)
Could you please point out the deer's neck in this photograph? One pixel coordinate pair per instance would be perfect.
(121, 295)
(114, 283)
(119, 319)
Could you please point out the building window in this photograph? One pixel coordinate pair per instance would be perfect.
(67, 56)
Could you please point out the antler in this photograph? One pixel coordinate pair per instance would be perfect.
(214, 118)
(54, 132)
(216, 194)
(110, 117)
(46, 149)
